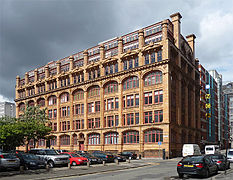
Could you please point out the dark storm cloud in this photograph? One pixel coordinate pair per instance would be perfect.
(32, 33)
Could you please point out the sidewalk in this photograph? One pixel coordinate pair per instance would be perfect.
(81, 170)
(227, 176)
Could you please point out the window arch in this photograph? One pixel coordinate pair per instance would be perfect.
(21, 107)
(78, 95)
(93, 91)
(65, 140)
(52, 100)
(111, 138)
(94, 139)
(111, 87)
(153, 135)
(31, 103)
(131, 137)
(41, 102)
(153, 78)
(64, 97)
(131, 82)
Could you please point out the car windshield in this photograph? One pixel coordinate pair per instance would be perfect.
(230, 152)
(75, 155)
(193, 159)
(51, 152)
(216, 157)
(9, 156)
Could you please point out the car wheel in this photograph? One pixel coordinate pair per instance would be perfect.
(207, 173)
(51, 164)
(74, 163)
(181, 175)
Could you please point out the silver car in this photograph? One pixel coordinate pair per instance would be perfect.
(230, 155)
(8, 160)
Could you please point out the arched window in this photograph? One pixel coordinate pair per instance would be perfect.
(52, 100)
(93, 91)
(130, 137)
(75, 139)
(131, 82)
(111, 88)
(153, 78)
(64, 97)
(78, 95)
(53, 141)
(65, 140)
(21, 107)
(153, 135)
(94, 139)
(111, 138)
(41, 102)
(31, 103)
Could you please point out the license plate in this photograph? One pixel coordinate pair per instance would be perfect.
(11, 160)
(188, 165)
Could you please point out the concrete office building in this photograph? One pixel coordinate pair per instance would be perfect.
(126, 94)
(7, 109)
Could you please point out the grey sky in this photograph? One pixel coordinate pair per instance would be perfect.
(33, 33)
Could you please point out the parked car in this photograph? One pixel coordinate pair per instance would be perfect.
(197, 164)
(31, 161)
(118, 157)
(106, 157)
(76, 159)
(212, 149)
(230, 155)
(190, 149)
(9, 160)
(62, 151)
(91, 159)
(51, 156)
(221, 161)
(129, 155)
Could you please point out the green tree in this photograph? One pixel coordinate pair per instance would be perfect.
(34, 122)
(11, 133)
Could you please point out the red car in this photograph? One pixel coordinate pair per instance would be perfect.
(75, 159)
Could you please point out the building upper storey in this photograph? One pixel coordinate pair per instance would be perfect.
(141, 47)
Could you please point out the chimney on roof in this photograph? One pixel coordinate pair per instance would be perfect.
(176, 28)
(191, 41)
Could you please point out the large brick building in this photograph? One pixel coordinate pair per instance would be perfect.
(125, 94)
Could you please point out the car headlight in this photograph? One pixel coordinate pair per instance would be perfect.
(79, 160)
(32, 163)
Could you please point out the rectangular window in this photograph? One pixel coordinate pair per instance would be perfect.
(116, 120)
(116, 67)
(91, 107)
(97, 122)
(130, 100)
(91, 123)
(137, 100)
(97, 106)
(158, 116)
(130, 63)
(148, 117)
(116, 103)
(125, 65)
(148, 98)
(110, 104)
(50, 112)
(111, 69)
(55, 113)
(130, 119)
(158, 96)
(152, 56)
(136, 62)
(106, 70)
(55, 126)
(136, 118)
(159, 56)
(147, 60)
(124, 102)
(110, 121)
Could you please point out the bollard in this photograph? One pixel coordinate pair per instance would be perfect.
(88, 164)
(47, 168)
(104, 163)
(21, 169)
(69, 166)
(116, 161)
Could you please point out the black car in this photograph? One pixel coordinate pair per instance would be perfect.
(197, 165)
(117, 156)
(31, 161)
(105, 156)
(129, 155)
(221, 161)
(91, 159)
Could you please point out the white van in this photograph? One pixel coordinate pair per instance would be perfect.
(212, 149)
(190, 149)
